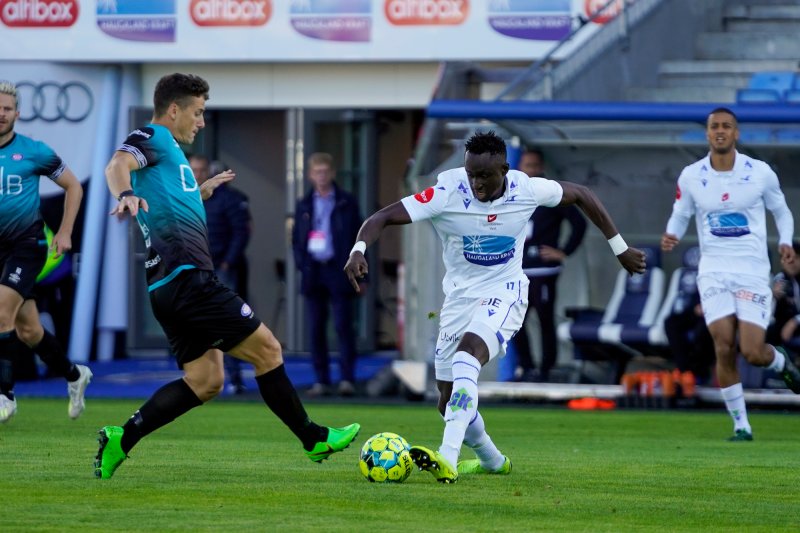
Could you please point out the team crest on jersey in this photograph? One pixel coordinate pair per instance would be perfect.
(425, 196)
(246, 311)
(678, 192)
(17, 157)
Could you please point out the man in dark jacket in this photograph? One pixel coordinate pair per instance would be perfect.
(327, 220)
(228, 222)
(541, 262)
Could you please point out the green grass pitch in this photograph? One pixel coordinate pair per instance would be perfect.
(232, 466)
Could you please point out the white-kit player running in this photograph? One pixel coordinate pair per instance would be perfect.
(480, 212)
(727, 192)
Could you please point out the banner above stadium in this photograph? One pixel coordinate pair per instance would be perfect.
(286, 30)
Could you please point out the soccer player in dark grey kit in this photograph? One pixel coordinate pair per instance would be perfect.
(202, 318)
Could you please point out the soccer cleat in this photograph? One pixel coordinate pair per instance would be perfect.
(790, 373)
(435, 463)
(338, 439)
(110, 454)
(7, 408)
(741, 435)
(76, 389)
(473, 466)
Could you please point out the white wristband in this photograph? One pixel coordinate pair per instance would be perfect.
(617, 244)
(360, 246)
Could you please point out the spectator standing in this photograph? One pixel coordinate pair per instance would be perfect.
(327, 220)
(542, 260)
(727, 192)
(228, 220)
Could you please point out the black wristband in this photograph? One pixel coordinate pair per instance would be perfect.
(123, 194)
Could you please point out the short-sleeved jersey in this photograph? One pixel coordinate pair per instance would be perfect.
(22, 162)
(729, 213)
(174, 229)
(482, 241)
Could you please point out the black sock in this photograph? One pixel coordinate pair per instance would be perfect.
(51, 353)
(281, 397)
(168, 403)
(9, 352)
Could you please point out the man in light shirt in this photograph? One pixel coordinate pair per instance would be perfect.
(480, 211)
(727, 192)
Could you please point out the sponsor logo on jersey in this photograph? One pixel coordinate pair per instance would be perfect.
(426, 12)
(487, 250)
(39, 13)
(141, 133)
(17, 157)
(246, 311)
(150, 263)
(138, 20)
(15, 276)
(449, 337)
(491, 218)
(678, 192)
(332, 20)
(750, 296)
(230, 12)
(726, 197)
(723, 224)
(425, 196)
(531, 19)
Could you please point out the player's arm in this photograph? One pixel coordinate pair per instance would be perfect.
(118, 178)
(73, 194)
(682, 210)
(784, 221)
(631, 259)
(392, 215)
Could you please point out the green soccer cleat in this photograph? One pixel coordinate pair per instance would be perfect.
(473, 466)
(338, 439)
(790, 373)
(110, 454)
(435, 463)
(741, 435)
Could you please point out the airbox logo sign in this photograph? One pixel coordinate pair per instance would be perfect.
(539, 20)
(230, 12)
(138, 20)
(426, 12)
(38, 13)
(333, 20)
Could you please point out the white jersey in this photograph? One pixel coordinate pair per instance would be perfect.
(729, 214)
(482, 241)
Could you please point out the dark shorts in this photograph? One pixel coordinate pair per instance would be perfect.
(22, 260)
(198, 313)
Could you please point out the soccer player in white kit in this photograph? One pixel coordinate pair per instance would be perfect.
(480, 212)
(727, 192)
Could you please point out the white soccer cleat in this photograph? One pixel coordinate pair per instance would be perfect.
(7, 408)
(76, 389)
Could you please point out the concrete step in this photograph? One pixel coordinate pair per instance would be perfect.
(785, 10)
(724, 45)
(721, 73)
(726, 66)
(759, 26)
(682, 94)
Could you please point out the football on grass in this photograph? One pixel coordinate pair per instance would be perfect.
(385, 459)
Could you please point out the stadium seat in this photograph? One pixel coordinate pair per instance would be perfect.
(792, 96)
(682, 285)
(777, 81)
(634, 304)
(757, 96)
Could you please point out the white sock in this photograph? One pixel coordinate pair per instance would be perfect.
(481, 443)
(778, 362)
(463, 405)
(734, 401)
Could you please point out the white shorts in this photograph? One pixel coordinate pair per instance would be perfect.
(748, 297)
(495, 318)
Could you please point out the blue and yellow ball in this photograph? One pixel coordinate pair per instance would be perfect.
(385, 458)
